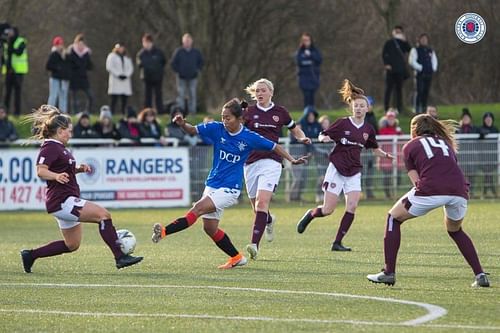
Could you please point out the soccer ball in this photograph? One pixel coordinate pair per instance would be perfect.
(127, 241)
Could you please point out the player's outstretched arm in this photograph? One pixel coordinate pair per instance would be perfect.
(283, 153)
(380, 153)
(187, 127)
(300, 135)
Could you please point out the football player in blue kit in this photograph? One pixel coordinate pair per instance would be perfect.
(232, 145)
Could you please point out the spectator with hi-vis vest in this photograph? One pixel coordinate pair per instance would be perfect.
(14, 67)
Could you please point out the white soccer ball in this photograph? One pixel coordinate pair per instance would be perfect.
(127, 241)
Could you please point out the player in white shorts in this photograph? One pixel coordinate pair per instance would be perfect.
(431, 161)
(233, 144)
(351, 135)
(263, 169)
(57, 166)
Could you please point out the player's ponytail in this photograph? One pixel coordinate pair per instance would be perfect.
(424, 124)
(350, 92)
(236, 107)
(46, 120)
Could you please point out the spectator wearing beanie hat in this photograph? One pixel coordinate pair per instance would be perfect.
(60, 71)
(469, 156)
(120, 69)
(105, 127)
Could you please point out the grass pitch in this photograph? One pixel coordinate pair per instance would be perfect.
(178, 287)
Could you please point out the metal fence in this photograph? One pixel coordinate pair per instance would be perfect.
(381, 179)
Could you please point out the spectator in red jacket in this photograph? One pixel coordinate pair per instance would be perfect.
(389, 125)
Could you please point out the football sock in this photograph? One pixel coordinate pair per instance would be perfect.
(108, 234)
(224, 243)
(392, 240)
(317, 212)
(181, 223)
(52, 249)
(345, 224)
(465, 245)
(259, 225)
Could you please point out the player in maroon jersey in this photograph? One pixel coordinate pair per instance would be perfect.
(57, 166)
(351, 135)
(263, 169)
(431, 161)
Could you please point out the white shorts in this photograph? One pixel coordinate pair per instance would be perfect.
(222, 198)
(336, 183)
(68, 216)
(455, 207)
(262, 175)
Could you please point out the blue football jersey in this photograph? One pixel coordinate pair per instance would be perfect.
(230, 152)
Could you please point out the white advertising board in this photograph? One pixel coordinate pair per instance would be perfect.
(121, 177)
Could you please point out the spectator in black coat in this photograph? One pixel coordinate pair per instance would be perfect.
(308, 59)
(81, 63)
(7, 129)
(172, 130)
(60, 72)
(187, 62)
(148, 124)
(489, 154)
(129, 126)
(83, 129)
(394, 55)
(151, 61)
(469, 156)
(105, 128)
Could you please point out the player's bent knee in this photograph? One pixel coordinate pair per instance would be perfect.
(72, 246)
(210, 230)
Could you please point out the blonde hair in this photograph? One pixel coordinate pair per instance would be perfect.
(251, 88)
(425, 124)
(350, 92)
(46, 120)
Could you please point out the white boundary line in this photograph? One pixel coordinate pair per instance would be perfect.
(433, 311)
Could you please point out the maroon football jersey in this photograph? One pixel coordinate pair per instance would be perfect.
(268, 124)
(349, 140)
(436, 164)
(59, 159)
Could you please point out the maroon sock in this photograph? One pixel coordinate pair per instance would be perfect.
(317, 212)
(52, 249)
(224, 243)
(259, 225)
(392, 239)
(468, 250)
(345, 224)
(108, 234)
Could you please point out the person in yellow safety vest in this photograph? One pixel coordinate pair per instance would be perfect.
(15, 66)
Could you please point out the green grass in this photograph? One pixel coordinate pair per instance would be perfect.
(430, 270)
(445, 112)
